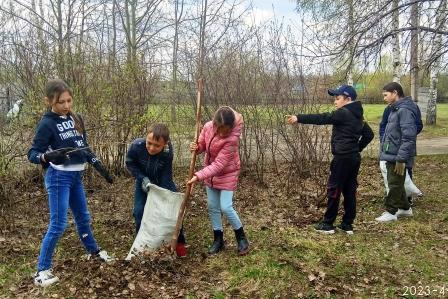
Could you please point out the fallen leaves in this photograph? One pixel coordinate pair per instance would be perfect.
(277, 221)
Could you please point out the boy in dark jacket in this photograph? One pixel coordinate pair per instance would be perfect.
(150, 160)
(351, 134)
(398, 148)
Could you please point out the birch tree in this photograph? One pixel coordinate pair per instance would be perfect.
(431, 111)
(396, 43)
(414, 66)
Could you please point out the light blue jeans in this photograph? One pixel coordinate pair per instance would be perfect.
(65, 190)
(220, 201)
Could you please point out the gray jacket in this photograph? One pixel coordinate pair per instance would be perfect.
(399, 140)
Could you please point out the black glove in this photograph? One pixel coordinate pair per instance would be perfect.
(57, 157)
(103, 171)
(145, 184)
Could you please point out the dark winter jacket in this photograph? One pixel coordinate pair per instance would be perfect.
(387, 110)
(399, 140)
(158, 168)
(55, 132)
(350, 133)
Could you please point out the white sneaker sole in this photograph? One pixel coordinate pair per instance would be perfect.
(47, 283)
(385, 220)
(348, 232)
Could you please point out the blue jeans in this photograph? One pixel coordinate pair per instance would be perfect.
(139, 204)
(220, 201)
(139, 207)
(65, 190)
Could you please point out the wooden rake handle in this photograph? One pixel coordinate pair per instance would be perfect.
(186, 199)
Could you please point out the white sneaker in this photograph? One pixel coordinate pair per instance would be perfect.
(404, 213)
(45, 278)
(386, 217)
(102, 255)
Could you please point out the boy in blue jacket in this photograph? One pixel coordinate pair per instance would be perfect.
(150, 160)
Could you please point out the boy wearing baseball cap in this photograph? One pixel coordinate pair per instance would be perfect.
(350, 135)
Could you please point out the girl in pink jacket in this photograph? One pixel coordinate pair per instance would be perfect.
(219, 139)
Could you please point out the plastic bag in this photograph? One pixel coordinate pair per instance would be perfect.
(159, 220)
(409, 186)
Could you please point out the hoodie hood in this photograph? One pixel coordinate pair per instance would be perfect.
(355, 108)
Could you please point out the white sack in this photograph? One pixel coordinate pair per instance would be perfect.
(159, 220)
(409, 186)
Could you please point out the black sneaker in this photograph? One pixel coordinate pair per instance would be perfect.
(347, 228)
(324, 228)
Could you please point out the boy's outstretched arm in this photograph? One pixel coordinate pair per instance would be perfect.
(328, 118)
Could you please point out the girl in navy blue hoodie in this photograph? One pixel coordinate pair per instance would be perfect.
(60, 145)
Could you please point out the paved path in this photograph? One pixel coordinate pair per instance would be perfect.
(432, 146)
(428, 146)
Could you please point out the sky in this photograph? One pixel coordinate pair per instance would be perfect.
(265, 10)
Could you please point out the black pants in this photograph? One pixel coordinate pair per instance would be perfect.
(343, 179)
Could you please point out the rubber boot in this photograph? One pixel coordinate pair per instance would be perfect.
(242, 242)
(218, 242)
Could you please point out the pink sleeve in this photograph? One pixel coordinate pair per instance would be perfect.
(224, 157)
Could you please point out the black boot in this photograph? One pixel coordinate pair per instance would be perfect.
(243, 243)
(218, 242)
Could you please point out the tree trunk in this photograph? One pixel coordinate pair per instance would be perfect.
(177, 17)
(128, 30)
(60, 54)
(415, 20)
(431, 111)
(134, 32)
(351, 25)
(396, 43)
(201, 58)
(113, 55)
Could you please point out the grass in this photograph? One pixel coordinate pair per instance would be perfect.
(287, 260)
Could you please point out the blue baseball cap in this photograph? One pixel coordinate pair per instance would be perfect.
(345, 90)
